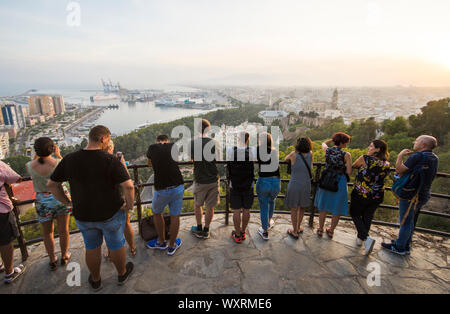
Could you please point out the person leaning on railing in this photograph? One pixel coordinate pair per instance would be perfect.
(268, 184)
(98, 207)
(422, 156)
(128, 232)
(240, 169)
(298, 193)
(8, 226)
(206, 179)
(168, 191)
(368, 191)
(339, 162)
(47, 207)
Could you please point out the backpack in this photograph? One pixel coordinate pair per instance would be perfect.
(408, 186)
(329, 179)
(241, 172)
(148, 230)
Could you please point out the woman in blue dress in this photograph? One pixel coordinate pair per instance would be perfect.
(326, 201)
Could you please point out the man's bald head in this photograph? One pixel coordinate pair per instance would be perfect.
(425, 142)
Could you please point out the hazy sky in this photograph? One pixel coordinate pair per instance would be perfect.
(280, 42)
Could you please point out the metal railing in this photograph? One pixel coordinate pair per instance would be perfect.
(134, 169)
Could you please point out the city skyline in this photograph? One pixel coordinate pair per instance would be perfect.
(154, 43)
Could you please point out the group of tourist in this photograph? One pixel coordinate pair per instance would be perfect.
(102, 193)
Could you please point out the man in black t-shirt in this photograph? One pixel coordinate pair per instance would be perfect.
(168, 191)
(241, 174)
(98, 207)
(204, 152)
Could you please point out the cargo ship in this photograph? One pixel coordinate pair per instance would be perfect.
(102, 97)
(165, 103)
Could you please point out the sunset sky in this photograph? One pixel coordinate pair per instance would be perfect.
(235, 42)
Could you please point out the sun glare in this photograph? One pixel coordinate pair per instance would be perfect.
(442, 56)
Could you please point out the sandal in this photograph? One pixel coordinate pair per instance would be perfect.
(290, 232)
(53, 265)
(65, 260)
(300, 229)
(133, 251)
(329, 233)
(320, 232)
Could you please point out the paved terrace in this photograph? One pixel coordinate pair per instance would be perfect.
(280, 265)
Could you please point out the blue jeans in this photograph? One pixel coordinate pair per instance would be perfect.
(267, 189)
(172, 197)
(112, 229)
(406, 231)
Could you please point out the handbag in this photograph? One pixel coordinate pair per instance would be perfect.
(148, 229)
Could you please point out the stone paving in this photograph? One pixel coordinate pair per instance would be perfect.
(280, 265)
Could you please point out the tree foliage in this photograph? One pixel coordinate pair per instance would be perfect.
(393, 127)
(18, 164)
(434, 120)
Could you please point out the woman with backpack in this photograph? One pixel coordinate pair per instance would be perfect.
(332, 194)
(368, 191)
(47, 207)
(298, 193)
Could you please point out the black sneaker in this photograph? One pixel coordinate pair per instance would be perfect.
(393, 248)
(407, 249)
(205, 234)
(198, 233)
(122, 279)
(95, 285)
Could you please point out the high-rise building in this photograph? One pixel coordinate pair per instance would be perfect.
(47, 108)
(4, 145)
(13, 115)
(334, 100)
(58, 103)
(34, 105)
(22, 113)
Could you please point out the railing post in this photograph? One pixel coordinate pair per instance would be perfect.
(21, 239)
(137, 196)
(227, 198)
(315, 183)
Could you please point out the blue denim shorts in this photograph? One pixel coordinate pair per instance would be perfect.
(168, 197)
(112, 229)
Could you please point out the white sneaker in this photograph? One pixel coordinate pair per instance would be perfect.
(263, 235)
(369, 244)
(271, 223)
(359, 242)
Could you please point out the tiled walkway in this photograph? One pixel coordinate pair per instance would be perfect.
(280, 265)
